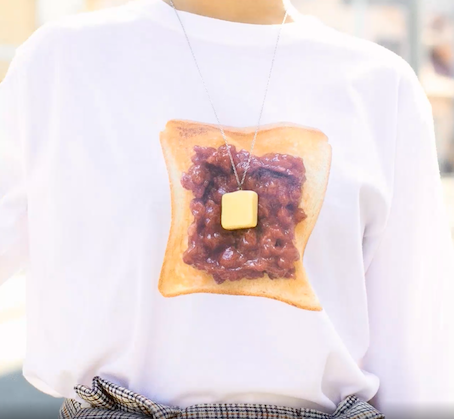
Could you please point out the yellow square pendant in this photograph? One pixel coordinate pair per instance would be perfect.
(239, 210)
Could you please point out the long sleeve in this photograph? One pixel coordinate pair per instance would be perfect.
(410, 280)
(13, 202)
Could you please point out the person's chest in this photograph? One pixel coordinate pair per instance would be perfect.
(99, 181)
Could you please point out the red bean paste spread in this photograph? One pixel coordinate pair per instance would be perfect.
(249, 253)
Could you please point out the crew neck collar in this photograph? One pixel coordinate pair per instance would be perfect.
(227, 31)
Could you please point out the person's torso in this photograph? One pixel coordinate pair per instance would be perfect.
(101, 209)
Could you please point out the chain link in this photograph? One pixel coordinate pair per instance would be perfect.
(240, 183)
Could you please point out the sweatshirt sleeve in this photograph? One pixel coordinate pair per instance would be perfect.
(411, 276)
(13, 198)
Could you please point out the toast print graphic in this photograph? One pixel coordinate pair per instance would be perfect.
(289, 169)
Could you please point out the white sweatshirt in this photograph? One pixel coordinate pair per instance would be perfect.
(86, 207)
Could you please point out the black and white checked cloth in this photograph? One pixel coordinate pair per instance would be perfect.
(111, 401)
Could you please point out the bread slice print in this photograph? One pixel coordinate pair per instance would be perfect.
(201, 257)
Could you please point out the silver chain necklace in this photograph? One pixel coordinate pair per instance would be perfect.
(240, 183)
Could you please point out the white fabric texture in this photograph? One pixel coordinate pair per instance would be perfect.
(85, 206)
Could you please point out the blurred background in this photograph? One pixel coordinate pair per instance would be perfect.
(421, 31)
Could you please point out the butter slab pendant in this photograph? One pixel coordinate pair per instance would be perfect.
(239, 209)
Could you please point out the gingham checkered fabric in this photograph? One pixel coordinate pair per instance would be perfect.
(111, 401)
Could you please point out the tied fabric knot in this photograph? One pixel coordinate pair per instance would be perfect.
(106, 395)
(111, 401)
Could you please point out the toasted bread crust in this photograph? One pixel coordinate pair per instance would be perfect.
(177, 141)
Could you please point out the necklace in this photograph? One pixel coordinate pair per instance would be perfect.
(239, 209)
